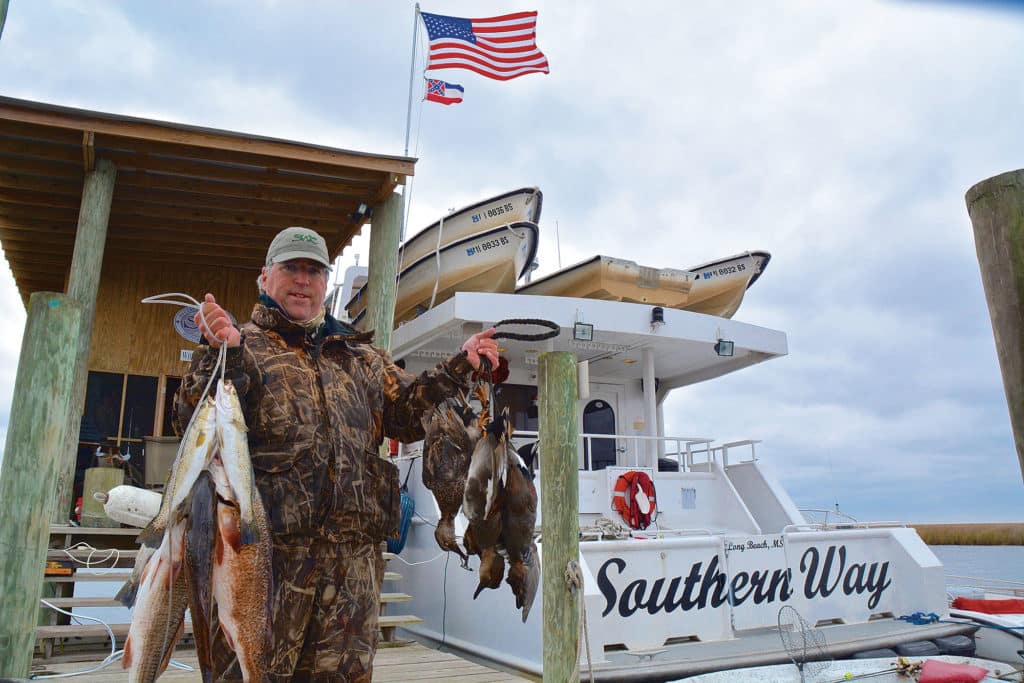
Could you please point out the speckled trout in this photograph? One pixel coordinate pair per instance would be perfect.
(198, 446)
(242, 581)
(234, 455)
(158, 617)
(200, 553)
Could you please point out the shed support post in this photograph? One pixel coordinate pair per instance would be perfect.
(383, 269)
(560, 527)
(996, 208)
(33, 461)
(83, 284)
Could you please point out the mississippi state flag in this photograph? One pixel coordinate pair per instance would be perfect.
(445, 93)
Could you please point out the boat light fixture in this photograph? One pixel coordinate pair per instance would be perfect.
(724, 347)
(657, 317)
(583, 332)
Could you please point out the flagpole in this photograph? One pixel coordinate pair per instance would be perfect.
(3, 15)
(412, 72)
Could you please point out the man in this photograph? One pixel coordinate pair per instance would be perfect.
(318, 401)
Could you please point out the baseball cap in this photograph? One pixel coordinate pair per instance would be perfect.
(295, 242)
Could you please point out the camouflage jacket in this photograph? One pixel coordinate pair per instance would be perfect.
(317, 412)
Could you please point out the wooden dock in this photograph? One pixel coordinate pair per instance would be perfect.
(406, 662)
(65, 648)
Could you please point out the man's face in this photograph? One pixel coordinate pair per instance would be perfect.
(298, 286)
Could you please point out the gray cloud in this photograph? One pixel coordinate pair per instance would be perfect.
(839, 137)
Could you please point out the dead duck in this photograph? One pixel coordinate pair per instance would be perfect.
(519, 519)
(450, 437)
(482, 502)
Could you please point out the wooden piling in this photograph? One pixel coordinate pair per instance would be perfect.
(556, 379)
(83, 284)
(33, 458)
(996, 208)
(383, 269)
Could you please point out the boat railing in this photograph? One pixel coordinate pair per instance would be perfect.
(834, 520)
(688, 450)
(970, 585)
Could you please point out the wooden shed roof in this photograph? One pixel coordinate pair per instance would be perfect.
(184, 194)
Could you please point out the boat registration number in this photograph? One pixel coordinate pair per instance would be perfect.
(493, 211)
(724, 270)
(485, 246)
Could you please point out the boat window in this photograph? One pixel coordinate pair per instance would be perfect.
(599, 418)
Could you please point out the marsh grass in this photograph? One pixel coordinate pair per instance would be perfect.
(972, 534)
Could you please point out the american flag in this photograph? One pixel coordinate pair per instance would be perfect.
(501, 48)
(445, 93)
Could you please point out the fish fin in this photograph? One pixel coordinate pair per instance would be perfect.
(126, 658)
(153, 534)
(127, 594)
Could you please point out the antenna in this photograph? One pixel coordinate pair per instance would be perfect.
(558, 243)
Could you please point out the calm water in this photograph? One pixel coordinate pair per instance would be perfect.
(981, 561)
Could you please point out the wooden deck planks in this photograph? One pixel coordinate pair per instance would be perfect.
(412, 662)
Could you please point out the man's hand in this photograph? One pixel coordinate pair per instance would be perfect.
(481, 344)
(220, 329)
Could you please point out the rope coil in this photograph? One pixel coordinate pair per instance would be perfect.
(574, 583)
(553, 327)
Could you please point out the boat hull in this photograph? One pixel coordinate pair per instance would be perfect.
(665, 606)
(719, 286)
(715, 288)
(612, 279)
(488, 261)
(510, 207)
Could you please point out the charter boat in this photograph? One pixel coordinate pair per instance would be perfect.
(701, 588)
(491, 260)
(523, 204)
(716, 288)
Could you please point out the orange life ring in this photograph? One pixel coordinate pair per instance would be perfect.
(635, 499)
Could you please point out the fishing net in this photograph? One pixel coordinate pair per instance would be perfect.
(408, 505)
(804, 645)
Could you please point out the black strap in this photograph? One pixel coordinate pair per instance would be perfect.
(540, 336)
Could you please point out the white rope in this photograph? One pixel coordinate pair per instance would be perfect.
(114, 656)
(413, 564)
(574, 582)
(112, 554)
(605, 528)
(437, 262)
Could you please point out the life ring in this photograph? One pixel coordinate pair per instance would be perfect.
(635, 499)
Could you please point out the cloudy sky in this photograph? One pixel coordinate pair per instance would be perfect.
(839, 136)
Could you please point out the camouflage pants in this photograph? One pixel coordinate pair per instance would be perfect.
(325, 608)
